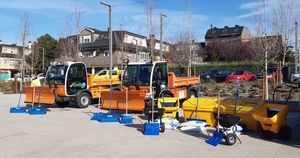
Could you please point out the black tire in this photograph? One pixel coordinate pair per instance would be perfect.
(230, 139)
(166, 94)
(84, 100)
(162, 128)
(62, 104)
(192, 93)
(244, 128)
(267, 135)
(285, 132)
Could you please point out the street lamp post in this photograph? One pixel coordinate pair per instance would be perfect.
(43, 59)
(110, 51)
(161, 33)
(190, 49)
(296, 49)
(136, 49)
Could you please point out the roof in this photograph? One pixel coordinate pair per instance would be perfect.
(92, 30)
(103, 40)
(224, 32)
(10, 45)
(202, 44)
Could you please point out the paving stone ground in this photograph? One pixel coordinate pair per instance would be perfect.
(69, 133)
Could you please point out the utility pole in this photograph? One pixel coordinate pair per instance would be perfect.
(296, 49)
(110, 51)
(161, 34)
(136, 49)
(43, 60)
(190, 48)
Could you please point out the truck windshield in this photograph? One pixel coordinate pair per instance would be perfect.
(137, 75)
(56, 75)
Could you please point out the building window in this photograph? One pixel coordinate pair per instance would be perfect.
(86, 39)
(6, 61)
(126, 39)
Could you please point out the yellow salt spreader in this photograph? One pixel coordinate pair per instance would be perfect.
(256, 115)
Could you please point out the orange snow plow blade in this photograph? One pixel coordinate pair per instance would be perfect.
(47, 96)
(136, 100)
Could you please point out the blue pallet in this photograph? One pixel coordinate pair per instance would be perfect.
(97, 116)
(151, 129)
(37, 111)
(109, 118)
(18, 110)
(126, 119)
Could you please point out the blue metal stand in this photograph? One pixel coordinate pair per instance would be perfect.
(126, 119)
(151, 129)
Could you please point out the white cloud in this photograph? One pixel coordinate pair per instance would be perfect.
(250, 5)
(247, 15)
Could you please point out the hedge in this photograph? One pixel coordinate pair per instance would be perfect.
(230, 66)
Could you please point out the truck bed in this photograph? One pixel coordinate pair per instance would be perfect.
(96, 82)
(181, 81)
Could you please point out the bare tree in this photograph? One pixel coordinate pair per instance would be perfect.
(70, 44)
(24, 34)
(283, 17)
(149, 12)
(268, 41)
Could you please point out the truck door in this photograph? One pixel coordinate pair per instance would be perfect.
(160, 78)
(76, 78)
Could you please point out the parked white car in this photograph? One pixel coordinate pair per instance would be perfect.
(26, 79)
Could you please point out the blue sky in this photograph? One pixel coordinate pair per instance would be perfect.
(50, 16)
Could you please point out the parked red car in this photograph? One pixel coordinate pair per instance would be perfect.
(241, 75)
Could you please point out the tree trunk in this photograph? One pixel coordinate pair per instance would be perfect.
(266, 77)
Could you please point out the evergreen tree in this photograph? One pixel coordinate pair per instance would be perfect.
(35, 59)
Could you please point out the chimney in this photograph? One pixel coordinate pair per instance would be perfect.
(0, 41)
(211, 26)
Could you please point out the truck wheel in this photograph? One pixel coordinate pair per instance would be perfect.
(267, 135)
(162, 127)
(62, 104)
(83, 100)
(230, 139)
(285, 132)
(166, 94)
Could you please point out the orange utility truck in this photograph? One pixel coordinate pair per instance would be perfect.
(69, 82)
(143, 79)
